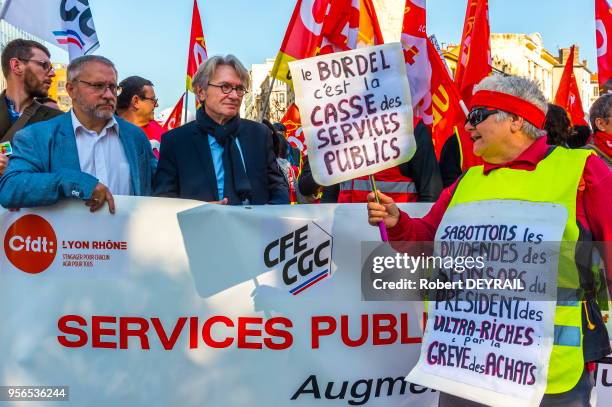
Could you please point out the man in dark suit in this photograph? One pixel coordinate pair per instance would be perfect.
(220, 157)
(28, 73)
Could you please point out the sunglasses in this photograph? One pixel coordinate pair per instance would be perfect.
(478, 115)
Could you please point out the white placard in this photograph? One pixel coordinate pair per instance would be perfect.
(494, 346)
(356, 111)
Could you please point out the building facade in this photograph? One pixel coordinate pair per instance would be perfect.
(57, 91)
(278, 100)
(525, 55)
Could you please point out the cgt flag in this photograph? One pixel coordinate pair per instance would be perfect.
(474, 66)
(174, 120)
(414, 43)
(197, 46)
(324, 26)
(568, 95)
(69, 24)
(447, 111)
(295, 136)
(603, 26)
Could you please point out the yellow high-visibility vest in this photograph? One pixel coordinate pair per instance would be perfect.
(554, 180)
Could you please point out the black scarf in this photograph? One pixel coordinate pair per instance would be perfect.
(236, 187)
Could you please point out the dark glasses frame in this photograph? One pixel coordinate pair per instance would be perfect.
(479, 114)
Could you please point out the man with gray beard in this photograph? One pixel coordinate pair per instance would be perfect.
(87, 153)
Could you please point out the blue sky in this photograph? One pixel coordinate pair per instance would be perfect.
(150, 37)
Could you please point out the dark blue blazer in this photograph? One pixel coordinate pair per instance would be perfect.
(186, 170)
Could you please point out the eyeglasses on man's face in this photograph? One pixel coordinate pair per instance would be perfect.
(100, 87)
(154, 100)
(45, 65)
(479, 115)
(227, 88)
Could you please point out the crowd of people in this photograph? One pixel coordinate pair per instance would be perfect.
(109, 144)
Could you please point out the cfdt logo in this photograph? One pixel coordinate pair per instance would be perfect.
(30, 244)
(304, 256)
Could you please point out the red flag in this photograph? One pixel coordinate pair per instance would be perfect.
(447, 111)
(294, 133)
(474, 62)
(197, 46)
(568, 95)
(323, 26)
(174, 120)
(414, 43)
(603, 38)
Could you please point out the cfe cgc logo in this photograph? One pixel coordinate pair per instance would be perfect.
(303, 256)
(30, 244)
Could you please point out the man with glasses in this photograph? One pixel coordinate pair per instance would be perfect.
(87, 153)
(505, 123)
(136, 104)
(28, 73)
(220, 157)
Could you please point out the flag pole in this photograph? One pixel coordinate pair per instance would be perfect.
(185, 107)
(381, 225)
(264, 110)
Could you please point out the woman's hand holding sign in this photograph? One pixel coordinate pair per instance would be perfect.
(385, 211)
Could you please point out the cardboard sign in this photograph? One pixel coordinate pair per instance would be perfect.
(492, 344)
(356, 111)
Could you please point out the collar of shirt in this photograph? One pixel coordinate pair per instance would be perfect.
(13, 114)
(527, 160)
(76, 126)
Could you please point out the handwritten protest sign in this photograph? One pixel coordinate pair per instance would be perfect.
(495, 339)
(356, 111)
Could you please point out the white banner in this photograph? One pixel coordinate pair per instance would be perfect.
(356, 111)
(214, 307)
(65, 23)
(156, 315)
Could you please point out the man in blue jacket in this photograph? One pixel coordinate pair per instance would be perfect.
(87, 153)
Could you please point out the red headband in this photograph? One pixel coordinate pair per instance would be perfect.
(511, 104)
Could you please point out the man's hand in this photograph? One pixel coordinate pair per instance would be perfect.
(385, 211)
(99, 195)
(3, 163)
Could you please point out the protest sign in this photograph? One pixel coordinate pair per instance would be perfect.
(356, 111)
(165, 325)
(486, 343)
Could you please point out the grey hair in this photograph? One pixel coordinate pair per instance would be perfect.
(523, 88)
(601, 109)
(207, 70)
(76, 65)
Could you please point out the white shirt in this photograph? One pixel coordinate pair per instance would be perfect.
(102, 155)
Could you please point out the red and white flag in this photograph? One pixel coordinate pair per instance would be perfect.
(174, 120)
(603, 38)
(474, 63)
(418, 68)
(324, 26)
(294, 133)
(568, 94)
(197, 46)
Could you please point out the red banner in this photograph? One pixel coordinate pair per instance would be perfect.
(603, 37)
(324, 26)
(414, 42)
(568, 94)
(474, 61)
(174, 120)
(197, 46)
